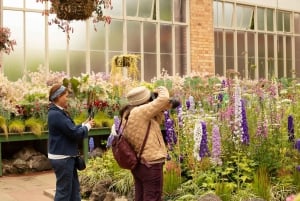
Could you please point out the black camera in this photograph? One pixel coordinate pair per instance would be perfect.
(175, 102)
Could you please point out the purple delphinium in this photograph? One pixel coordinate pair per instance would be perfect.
(171, 137)
(203, 145)
(245, 133)
(291, 131)
(216, 145)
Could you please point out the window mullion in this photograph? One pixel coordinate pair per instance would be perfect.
(142, 51)
(284, 56)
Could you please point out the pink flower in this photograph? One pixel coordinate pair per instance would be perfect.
(290, 198)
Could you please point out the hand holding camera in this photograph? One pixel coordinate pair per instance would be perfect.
(175, 102)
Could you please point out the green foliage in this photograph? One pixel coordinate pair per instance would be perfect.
(172, 178)
(261, 183)
(224, 191)
(106, 168)
(34, 125)
(16, 126)
(3, 125)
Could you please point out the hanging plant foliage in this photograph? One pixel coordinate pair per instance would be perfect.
(73, 9)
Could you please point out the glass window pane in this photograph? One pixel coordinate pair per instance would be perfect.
(98, 61)
(78, 37)
(165, 12)
(180, 51)
(218, 53)
(150, 64)
(35, 40)
(229, 51)
(297, 59)
(116, 35)
(180, 39)
(149, 37)
(57, 48)
(57, 60)
(287, 26)
(218, 14)
(280, 21)
(34, 5)
(165, 39)
(13, 3)
(297, 23)
(280, 57)
(131, 7)
(117, 9)
(133, 36)
(97, 40)
(260, 18)
(289, 71)
(251, 60)
(270, 25)
(181, 64)
(270, 46)
(180, 10)
(13, 65)
(166, 63)
(77, 63)
(244, 16)
(241, 53)
(228, 13)
(146, 7)
(261, 56)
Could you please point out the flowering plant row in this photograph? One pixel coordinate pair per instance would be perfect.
(229, 136)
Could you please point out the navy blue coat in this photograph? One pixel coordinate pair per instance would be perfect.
(64, 135)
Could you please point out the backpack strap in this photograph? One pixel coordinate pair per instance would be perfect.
(144, 142)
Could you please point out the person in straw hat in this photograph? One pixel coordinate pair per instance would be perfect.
(143, 107)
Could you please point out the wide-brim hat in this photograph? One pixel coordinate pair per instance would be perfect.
(138, 96)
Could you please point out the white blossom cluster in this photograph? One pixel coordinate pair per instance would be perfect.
(198, 132)
(238, 130)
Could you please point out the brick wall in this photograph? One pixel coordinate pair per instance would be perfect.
(202, 36)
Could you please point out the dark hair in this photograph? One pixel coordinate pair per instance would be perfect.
(53, 89)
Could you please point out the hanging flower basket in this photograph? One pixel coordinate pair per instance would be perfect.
(73, 9)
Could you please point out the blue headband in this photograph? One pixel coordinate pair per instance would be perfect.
(58, 92)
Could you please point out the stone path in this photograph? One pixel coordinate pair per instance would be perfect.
(33, 187)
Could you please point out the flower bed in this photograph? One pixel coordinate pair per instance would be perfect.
(234, 138)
